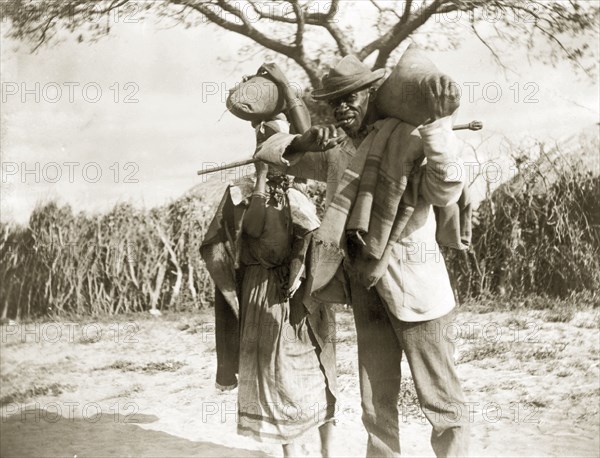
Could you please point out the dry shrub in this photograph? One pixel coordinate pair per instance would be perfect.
(127, 260)
(536, 234)
(545, 243)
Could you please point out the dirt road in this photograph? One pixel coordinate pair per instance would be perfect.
(144, 386)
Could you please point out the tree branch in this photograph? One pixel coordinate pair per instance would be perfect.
(324, 20)
(344, 43)
(487, 45)
(114, 4)
(550, 35)
(245, 28)
(406, 13)
(44, 32)
(385, 10)
(65, 10)
(401, 31)
(300, 27)
(555, 20)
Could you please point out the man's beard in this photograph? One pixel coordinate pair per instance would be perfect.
(356, 127)
(356, 133)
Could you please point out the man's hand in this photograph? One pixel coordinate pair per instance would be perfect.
(317, 138)
(442, 95)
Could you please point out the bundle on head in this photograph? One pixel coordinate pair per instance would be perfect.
(255, 99)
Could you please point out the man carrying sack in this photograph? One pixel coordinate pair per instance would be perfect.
(376, 248)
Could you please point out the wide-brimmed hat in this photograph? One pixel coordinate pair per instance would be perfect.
(347, 76)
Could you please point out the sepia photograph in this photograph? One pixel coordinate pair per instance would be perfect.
(299, 228)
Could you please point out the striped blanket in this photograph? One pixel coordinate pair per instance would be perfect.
(372, 205)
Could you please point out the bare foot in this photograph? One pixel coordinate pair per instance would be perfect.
(326, 433)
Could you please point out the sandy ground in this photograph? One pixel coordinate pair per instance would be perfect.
(144, 386)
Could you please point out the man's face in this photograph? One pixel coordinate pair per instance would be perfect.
(351, 110)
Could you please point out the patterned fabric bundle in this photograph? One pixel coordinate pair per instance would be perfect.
(371, 201)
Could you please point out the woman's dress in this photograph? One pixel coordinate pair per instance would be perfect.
(283, 390)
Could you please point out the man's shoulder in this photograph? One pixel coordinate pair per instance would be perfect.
(399, 130)
(378, 123)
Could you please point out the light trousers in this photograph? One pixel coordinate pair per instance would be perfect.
(382, 339)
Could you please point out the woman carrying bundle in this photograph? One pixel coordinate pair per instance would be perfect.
(287, 360)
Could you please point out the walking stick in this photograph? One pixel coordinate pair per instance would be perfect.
(473, 125)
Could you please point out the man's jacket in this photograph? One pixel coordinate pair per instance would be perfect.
(412, 280)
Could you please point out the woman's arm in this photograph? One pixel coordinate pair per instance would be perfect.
(297, 112)
(254, 218)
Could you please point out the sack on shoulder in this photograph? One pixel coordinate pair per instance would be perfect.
(400, 96)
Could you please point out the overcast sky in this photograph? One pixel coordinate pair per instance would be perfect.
(144, 107)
